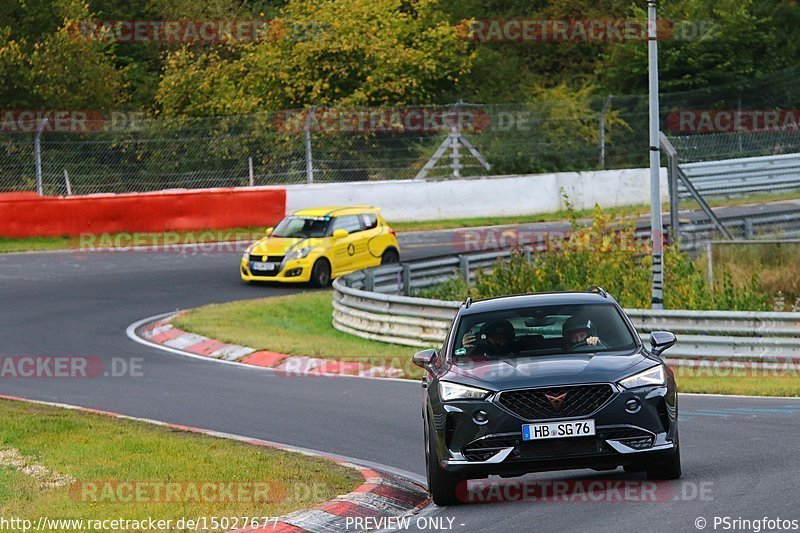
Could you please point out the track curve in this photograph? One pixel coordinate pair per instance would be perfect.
(81, 304)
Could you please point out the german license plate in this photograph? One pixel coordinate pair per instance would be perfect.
(267, 266)
(558, 430)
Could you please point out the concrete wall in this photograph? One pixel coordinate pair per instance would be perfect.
(408, 200)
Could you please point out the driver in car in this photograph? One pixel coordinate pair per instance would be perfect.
(578, 331)
(495, 338)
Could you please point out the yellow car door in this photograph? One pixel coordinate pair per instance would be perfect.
(376, 238)
(348, 250)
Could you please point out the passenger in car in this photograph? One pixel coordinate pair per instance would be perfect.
(495, 338)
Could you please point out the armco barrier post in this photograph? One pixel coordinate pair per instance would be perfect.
(463, 265)
(748, 229)
(406, 279)
(369, 280)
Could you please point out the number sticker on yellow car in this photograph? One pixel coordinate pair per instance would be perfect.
(558, 430)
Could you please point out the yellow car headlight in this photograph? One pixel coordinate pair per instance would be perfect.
(301, 253)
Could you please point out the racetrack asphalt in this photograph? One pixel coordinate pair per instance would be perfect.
(741, 453)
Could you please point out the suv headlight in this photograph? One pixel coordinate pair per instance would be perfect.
(650, 377)
(453, 391)
(301, 253)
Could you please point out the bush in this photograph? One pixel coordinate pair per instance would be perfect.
(607, 253)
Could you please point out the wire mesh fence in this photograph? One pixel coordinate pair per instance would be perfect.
(89, 152)
(326, 145)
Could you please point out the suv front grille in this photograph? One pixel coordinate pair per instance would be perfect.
(556, 402)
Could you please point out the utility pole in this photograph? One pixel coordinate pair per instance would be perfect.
(656, 228)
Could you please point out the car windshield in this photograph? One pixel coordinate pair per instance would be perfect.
(302, 227)
(543, 330)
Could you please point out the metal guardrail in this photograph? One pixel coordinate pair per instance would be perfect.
(742, 176)
(783, 223)
(705, 335)
(407, 278)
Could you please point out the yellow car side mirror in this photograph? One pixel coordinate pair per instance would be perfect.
(340, 234)
(268, 231)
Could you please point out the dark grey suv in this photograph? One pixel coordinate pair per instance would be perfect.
(543, 382)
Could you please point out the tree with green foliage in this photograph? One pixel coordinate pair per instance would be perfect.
(743, 41)
(55, 70)
(342, 52)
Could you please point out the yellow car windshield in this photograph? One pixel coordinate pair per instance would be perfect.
(302, 227)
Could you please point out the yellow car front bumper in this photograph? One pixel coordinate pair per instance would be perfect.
(294, 271)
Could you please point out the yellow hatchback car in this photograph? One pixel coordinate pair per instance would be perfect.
(317, 245)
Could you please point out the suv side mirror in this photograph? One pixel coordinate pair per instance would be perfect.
(425, 358)
(268, 231)
(340, 234)
(661, 340)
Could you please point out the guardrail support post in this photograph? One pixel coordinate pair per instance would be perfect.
(748, 229)
(369, 280)
(406, 279)
(463, 265)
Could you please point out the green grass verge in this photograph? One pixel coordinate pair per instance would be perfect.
(100, 451)
(298, 324)
(301, 325)
(88, 242)
(725, 381)
(431, 225)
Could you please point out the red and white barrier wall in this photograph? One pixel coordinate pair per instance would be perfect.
(28, 214)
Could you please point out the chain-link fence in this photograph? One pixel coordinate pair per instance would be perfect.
(757, 117)
(323, 145)
(123, 153)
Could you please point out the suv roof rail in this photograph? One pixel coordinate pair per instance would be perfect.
(598, 290)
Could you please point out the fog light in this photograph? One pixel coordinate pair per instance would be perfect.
(633, 405)
(293, 273)
(480, 417)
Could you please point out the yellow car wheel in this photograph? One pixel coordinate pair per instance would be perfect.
(390, 256)
(321, 273)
